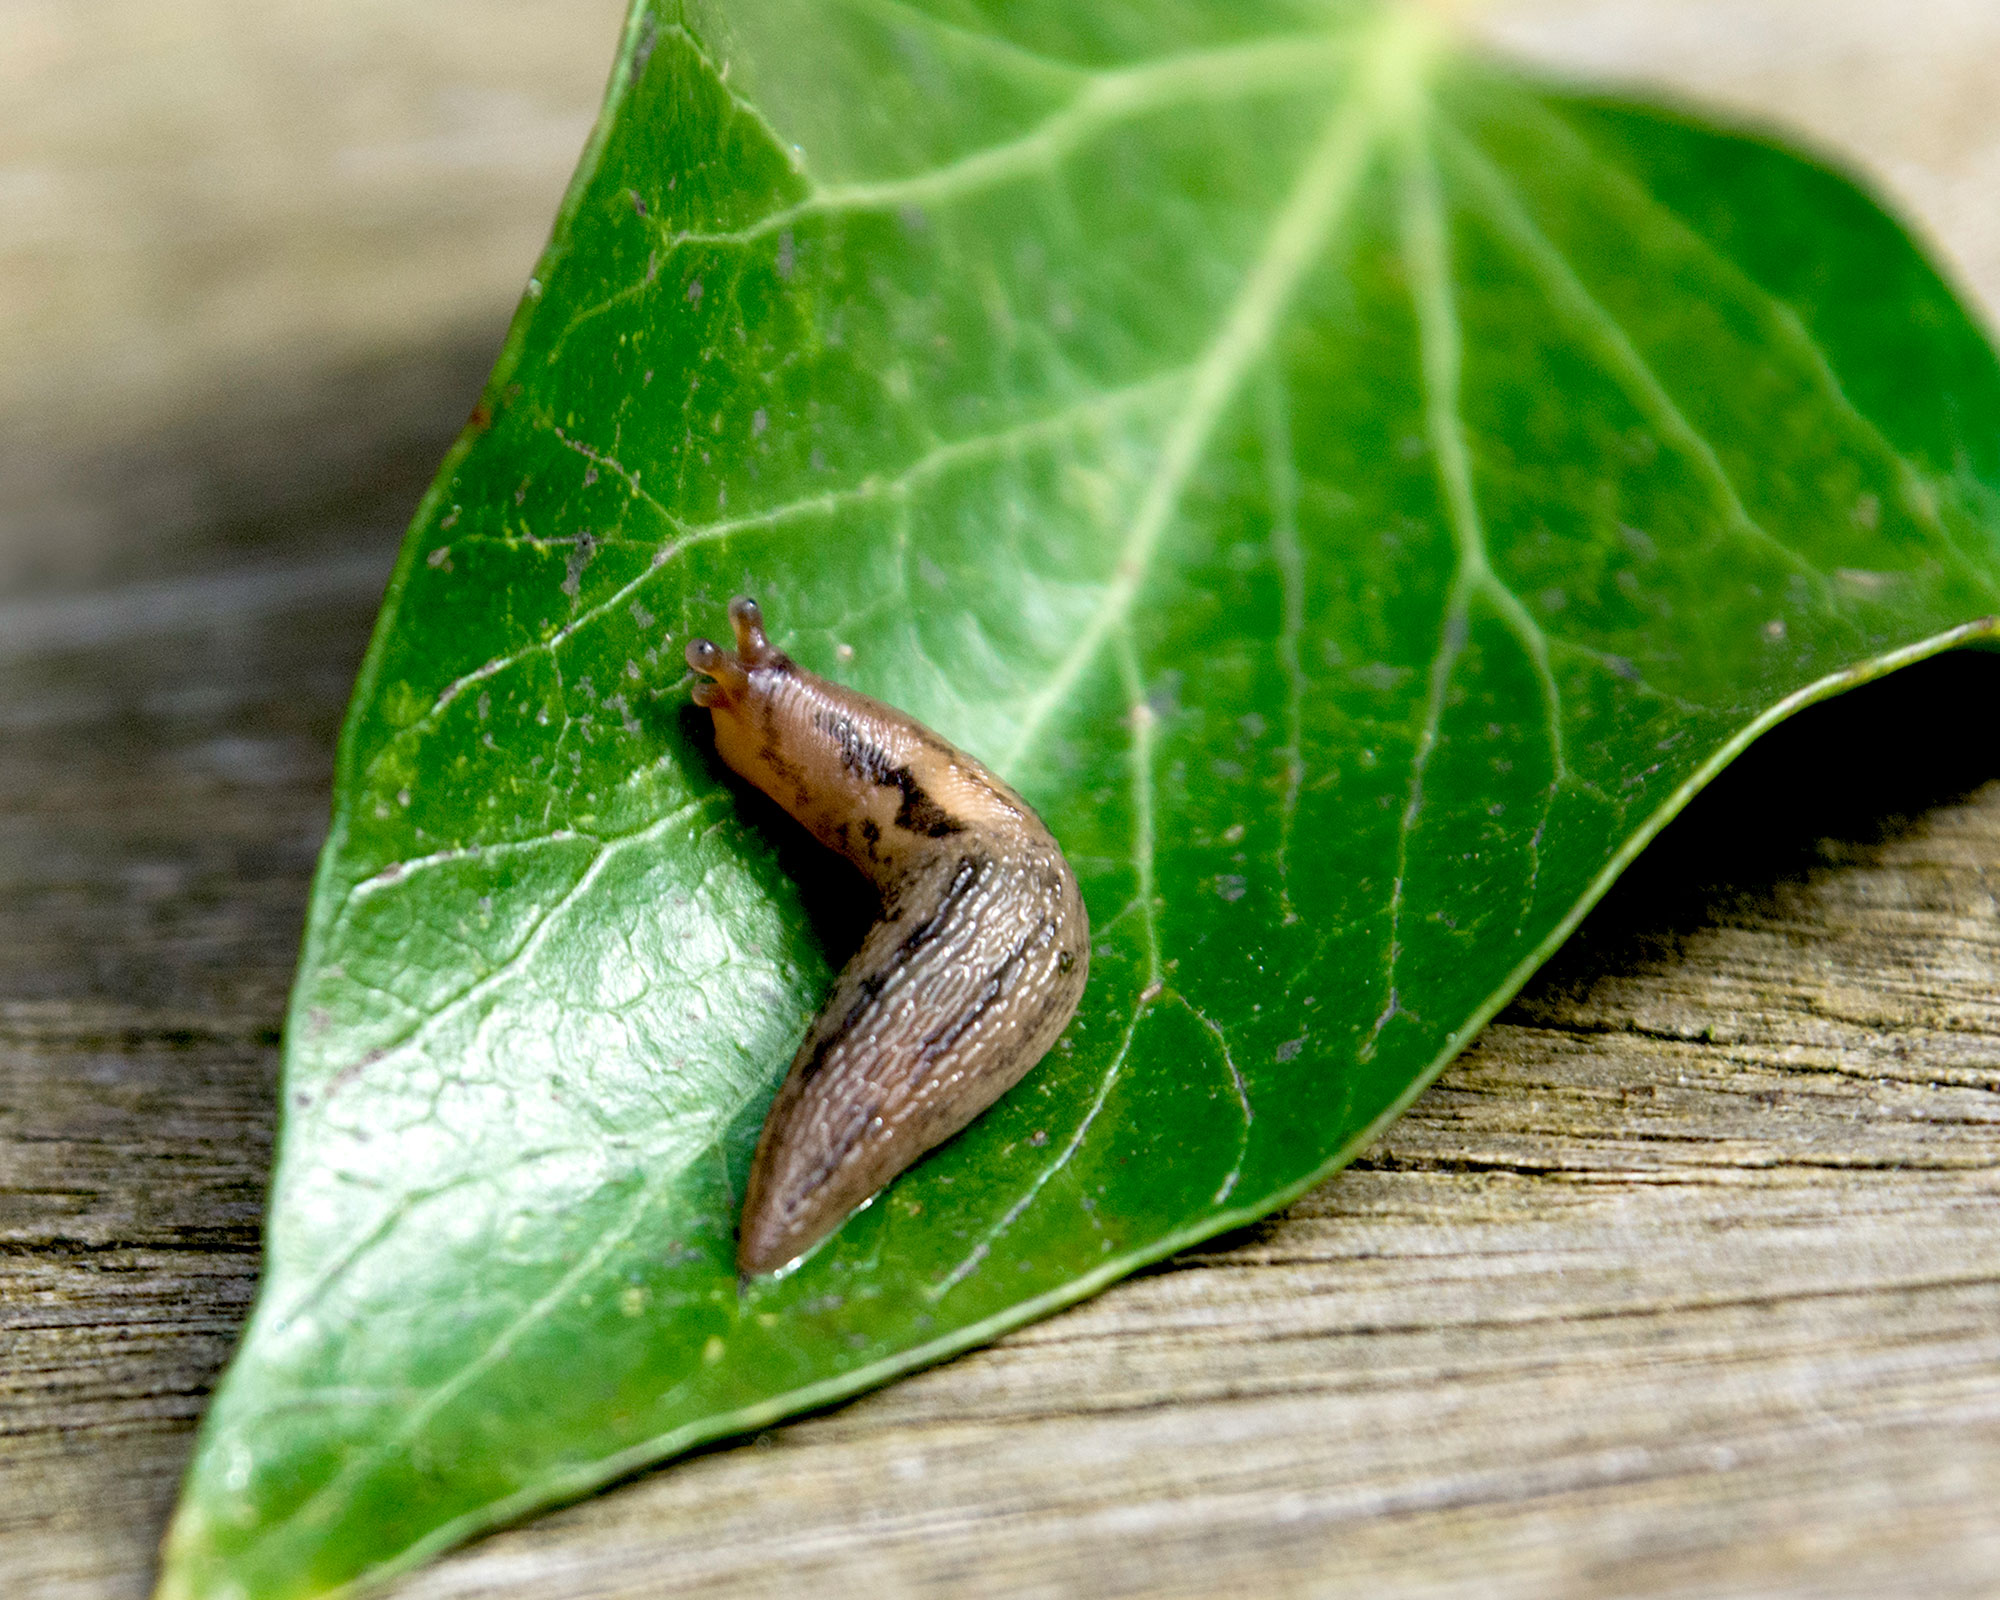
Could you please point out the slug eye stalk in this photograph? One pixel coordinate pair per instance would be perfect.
(730, 670)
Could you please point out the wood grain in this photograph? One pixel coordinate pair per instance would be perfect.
(1684, 1280)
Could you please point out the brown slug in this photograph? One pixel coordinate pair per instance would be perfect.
(973, 970)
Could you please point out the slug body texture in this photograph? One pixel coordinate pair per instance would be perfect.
(975, 967)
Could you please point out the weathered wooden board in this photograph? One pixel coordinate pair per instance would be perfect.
(1685, 1280)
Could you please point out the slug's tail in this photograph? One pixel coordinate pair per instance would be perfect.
(941, 1011)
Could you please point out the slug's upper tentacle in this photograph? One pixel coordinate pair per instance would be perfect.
(974, 969)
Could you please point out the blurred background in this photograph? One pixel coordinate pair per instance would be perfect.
(255, 258)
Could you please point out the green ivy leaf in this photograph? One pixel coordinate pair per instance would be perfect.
(1356, 495)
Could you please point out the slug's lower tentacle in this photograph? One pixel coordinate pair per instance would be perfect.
(973, 971)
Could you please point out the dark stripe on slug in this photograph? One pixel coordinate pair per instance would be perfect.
(991, 995)
(869, 989)
(866, 993)
(858, 753)
(970, 870)
(919, 813)
(775, 759)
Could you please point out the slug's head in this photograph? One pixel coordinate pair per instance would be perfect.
(729, 670)
(744, 690)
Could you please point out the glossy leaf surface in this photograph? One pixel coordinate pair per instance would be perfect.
(1356, 495)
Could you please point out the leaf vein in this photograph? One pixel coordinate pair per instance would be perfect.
(1109, 98)
(1319, 200)
(1617, 349)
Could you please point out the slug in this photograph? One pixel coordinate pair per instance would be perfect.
(974, 968)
